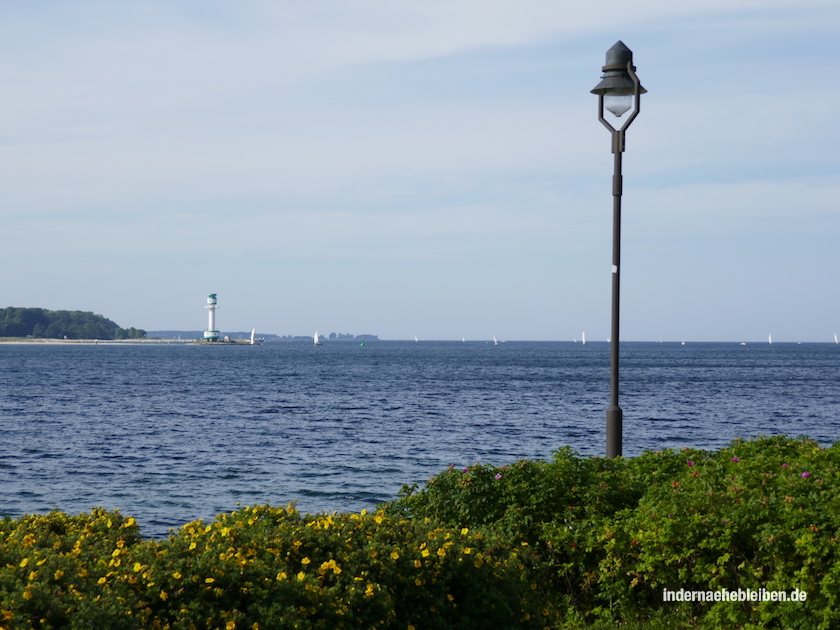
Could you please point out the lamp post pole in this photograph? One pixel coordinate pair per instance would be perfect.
(618, 92)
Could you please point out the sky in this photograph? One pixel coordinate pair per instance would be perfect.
(429, 168)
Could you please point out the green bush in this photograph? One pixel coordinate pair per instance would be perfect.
(760, 514)
(264, 567)
(757, 514)
(571, 543)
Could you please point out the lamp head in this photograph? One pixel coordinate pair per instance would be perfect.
(617, 86)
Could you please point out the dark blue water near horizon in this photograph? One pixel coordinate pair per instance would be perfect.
(174, 433)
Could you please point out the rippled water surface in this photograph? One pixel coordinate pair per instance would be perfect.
(172, 433)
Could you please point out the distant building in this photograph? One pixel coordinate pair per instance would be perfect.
(211, 334)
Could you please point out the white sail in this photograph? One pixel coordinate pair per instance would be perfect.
(769, 338)
(317, 339)
(253, 336)
(835, 338)
(583, 338)
(495, 341)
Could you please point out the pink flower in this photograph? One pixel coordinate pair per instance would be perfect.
(785, 465)
(689, 463)
(498, 476)
(735, 459)
(805, 475)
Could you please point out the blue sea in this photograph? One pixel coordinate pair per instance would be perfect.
(174, 433)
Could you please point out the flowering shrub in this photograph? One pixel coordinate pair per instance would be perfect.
(559, 544)
(757, 514)
(264, 567)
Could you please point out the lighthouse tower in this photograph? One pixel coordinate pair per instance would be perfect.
(211, 334)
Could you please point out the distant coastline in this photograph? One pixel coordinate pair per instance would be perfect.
(163, 337)
(191, 335)
(40, 323)
(43, 341)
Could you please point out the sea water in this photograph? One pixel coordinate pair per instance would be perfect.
(173, 433)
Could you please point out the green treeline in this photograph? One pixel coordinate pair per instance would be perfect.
(39, 322)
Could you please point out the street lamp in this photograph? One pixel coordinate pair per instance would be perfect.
(618, 92)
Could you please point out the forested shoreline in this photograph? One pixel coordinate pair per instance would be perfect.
(45, 324)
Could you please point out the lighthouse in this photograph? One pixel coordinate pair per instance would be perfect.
(211, 334)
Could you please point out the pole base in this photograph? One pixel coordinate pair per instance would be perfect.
(615, 418)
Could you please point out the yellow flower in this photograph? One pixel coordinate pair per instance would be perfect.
(209, 580)
(305, 561)
(465, 531)
(27, 594)
(192, 546)
(101, 580)
(395, 555)
(24, 562)
(425, 553)
(137, 567)
(164, 595)
(58, 574)
(418, 564)
(468, 550)
(176, 575)
(230, 625)
(449, 597)
(441, 552)
(301, 576)
(281, 576)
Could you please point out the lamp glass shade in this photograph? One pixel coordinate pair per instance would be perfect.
(618, 104)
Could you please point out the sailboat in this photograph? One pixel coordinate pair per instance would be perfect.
(835, 338)
(495, 341)
(769, 338)
(317, 339)
(253, 336)
(583, 338)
